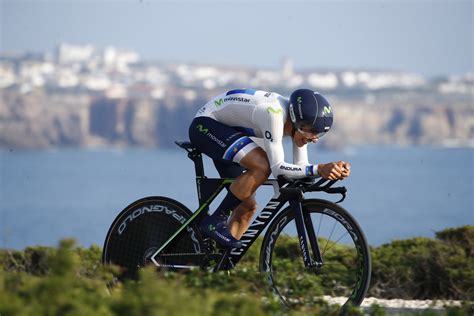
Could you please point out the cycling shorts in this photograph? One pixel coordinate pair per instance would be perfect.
(226, 145)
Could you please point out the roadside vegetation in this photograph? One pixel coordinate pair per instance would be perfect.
(71, 280)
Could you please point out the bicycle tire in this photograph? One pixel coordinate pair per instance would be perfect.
(144, 226)
(343, 279)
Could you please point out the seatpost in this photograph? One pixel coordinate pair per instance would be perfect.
(196, 157)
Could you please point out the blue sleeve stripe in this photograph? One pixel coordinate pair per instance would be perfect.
(309, 171)
(244, 91)
(235, 147)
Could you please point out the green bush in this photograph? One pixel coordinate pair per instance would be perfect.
(71, 280)
(422, 268)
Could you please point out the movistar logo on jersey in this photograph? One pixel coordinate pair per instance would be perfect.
(271, 109)
(238, 99)
(327, 110)
(202, 129)
(299, 100)
(228, 99)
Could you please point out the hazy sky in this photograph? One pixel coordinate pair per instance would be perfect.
(428, 37)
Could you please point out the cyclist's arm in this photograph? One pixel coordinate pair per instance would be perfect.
(271, 125)
(300, 154)
(279, 167)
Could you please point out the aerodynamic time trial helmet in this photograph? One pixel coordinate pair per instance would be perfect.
(310, 112)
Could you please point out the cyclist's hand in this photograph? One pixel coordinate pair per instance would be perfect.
(346, 169)
(331, 171)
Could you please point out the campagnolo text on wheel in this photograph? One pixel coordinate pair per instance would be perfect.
(242, 132)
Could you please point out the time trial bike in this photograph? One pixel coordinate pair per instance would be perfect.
(317, 240)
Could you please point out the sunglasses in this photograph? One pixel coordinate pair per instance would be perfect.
(310, 133)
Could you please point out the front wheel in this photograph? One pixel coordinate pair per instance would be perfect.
(344, 276)
(143, 227)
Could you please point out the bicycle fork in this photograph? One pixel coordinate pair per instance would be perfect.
(305, 229)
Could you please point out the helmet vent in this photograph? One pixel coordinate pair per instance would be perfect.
(292, 114)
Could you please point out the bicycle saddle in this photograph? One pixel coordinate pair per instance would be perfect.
(186, 145)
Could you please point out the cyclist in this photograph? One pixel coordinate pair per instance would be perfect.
(222, 129)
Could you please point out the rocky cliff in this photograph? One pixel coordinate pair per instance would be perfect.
(42, 119)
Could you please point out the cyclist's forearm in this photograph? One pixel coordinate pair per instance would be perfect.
(300, 155)
(274, 150)
(294, 171)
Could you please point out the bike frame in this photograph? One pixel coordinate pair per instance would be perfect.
(209, 188)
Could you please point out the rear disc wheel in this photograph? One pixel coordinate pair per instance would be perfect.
(142, 228)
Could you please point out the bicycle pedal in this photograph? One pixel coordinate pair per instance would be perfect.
(210, 245)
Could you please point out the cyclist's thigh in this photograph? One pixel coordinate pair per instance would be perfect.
(228, 169)
(219, 141)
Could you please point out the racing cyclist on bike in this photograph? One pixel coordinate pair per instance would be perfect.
(222, 129)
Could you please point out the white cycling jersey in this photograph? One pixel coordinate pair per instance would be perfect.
(261, 114)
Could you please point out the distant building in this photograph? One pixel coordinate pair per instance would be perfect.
(325, 81)
(74, 53)
(117, 73)
(7, 75)
(119, 59)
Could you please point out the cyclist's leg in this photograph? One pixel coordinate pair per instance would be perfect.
(244, 187)
(258, 170)
(227, 144)
(241, 217)
(243, 213)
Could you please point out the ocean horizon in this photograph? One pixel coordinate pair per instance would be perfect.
(394, 192)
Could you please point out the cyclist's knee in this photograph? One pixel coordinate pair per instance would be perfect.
(267, 171)
(262, 173)
(257, 161)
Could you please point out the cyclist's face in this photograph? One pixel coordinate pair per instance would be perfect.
(302, 138)
(309, 136)
(311, 132)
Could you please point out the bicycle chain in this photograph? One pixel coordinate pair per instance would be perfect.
(187, 254)
(208, 243)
